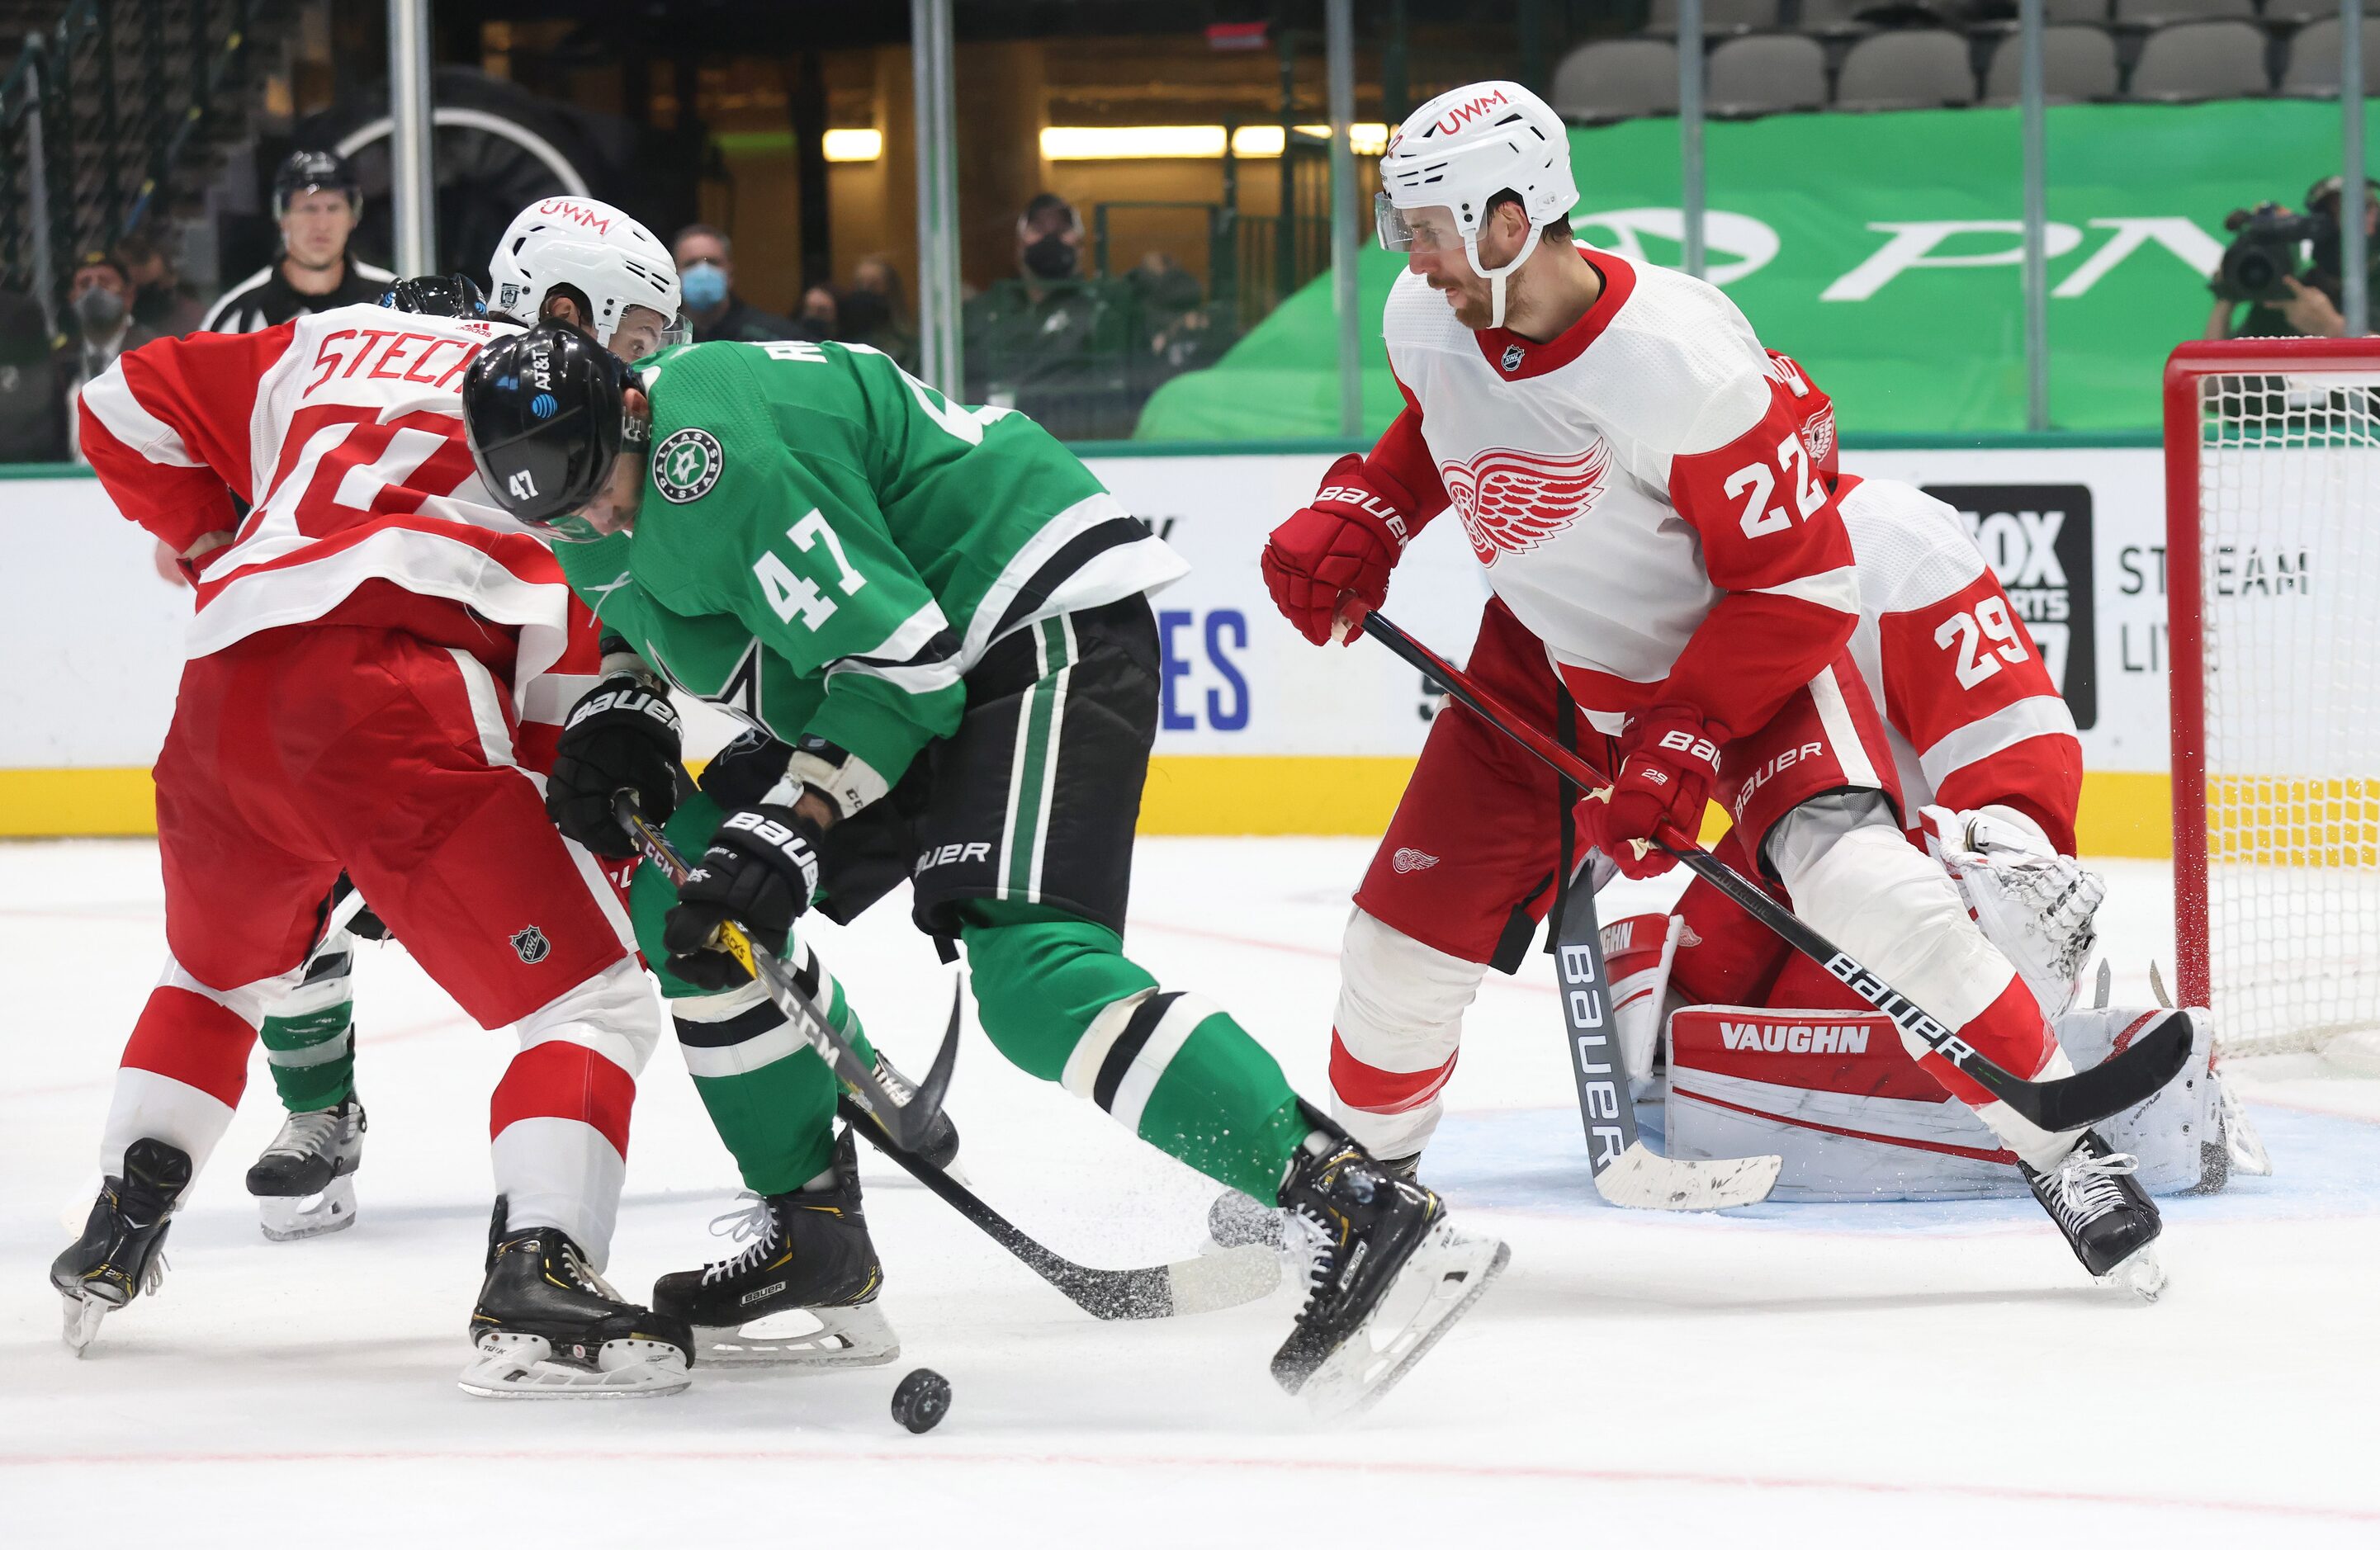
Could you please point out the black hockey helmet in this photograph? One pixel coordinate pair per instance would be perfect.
(439, 295)
(546, 414)
(309, 170)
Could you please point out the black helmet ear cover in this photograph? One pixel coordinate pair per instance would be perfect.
(546, 414)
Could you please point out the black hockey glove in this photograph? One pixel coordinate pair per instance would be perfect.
(760, 872)
(622, 735)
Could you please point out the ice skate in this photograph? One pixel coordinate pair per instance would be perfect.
(304, 1181)
(1236, 1219)
(801, 1294)
(1388, 1275)
(548, 1327)
(120, 1252)
(2109, 1221)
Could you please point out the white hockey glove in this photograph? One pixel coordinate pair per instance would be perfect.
(2032, 903)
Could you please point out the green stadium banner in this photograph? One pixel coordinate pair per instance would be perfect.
(1881, 250)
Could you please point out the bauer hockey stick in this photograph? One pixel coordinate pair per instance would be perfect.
(907, 1123)
(1627, 1172)
(1202, 1285)
(2128, 1077)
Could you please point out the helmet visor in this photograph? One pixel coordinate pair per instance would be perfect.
(1395, 235)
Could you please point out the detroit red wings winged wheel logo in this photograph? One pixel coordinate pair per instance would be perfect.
(1512, 501)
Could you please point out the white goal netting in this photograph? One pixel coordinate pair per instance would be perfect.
(2289, 561)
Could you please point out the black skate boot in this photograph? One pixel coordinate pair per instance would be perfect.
(549, 1327)
(118, 1255)
(2109, 1221)
(942, 1147)
(803, 1291)
(304, 1181)
(1388, 1275)
(1236, 1219)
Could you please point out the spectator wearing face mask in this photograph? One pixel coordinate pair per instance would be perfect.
(706, 283)
(822, 314)
(99, 294)
(875, 310)
(32, 412)
(1052, 342)
(161, 302)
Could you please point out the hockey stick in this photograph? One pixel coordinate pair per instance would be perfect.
(2068, 1103)
(1627, 1172)
(1186, 1286)
(907, 1123)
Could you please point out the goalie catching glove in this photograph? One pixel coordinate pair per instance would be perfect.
(760, 872)
(1667, 760)
(2035, 904)
(1346, 541)
(622, 735)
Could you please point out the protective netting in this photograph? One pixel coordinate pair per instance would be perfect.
(2290, 561)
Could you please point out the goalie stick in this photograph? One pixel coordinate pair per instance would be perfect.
(1627, 1172)
(1202, 1285)
(2125, 1078)
(907, 1123)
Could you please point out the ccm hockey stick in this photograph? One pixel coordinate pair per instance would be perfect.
(2069, 1103)
(1627, 1172)
(907, 1123)
(1223, 1279)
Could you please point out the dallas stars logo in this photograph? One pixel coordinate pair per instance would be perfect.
(686, 464)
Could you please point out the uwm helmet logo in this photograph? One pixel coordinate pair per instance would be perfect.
(1512, 501)
(1463, 113)
(571, 210)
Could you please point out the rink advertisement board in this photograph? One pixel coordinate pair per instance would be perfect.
(1259, 732)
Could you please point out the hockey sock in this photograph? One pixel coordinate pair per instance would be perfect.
(1059, 997)
(309, 1037)
(183, 1070)
(770, 1098)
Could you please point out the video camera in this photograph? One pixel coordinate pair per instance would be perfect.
(2263, 255)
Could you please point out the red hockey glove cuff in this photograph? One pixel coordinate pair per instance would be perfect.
(1668, 762)
(1347, 541)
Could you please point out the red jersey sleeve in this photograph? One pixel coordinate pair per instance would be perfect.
(166, 429)
(1774, 543)
(1964, 682)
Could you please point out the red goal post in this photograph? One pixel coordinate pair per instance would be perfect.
(2272, 461)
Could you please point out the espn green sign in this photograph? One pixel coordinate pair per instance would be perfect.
(1883, 252)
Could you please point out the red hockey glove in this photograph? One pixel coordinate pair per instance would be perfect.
(1667, 760)
(1346, 541)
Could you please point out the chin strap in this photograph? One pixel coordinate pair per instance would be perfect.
(1495, 277)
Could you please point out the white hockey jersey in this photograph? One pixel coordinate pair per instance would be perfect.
(1639, 489)
(342, 435)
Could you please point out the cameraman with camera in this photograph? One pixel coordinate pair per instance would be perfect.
(2260, 268)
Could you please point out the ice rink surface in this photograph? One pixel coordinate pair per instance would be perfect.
(1886, 1374)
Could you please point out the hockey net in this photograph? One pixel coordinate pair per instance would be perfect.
(2273, 598)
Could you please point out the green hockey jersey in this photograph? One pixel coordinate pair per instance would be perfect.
(826, 545)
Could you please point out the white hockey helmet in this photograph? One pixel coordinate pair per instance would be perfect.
(1462, 148)
(589, 245)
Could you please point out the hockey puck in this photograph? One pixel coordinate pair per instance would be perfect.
(922, 1400)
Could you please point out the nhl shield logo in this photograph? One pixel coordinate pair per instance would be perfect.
(530, 943)
(1514, 356)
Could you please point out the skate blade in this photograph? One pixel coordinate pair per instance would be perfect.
(1224, 1277)
(2140, 1272)
(851, 1337)
(1451, 1271)
(511, 1366)
(286, 1218)
(83, 1312)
